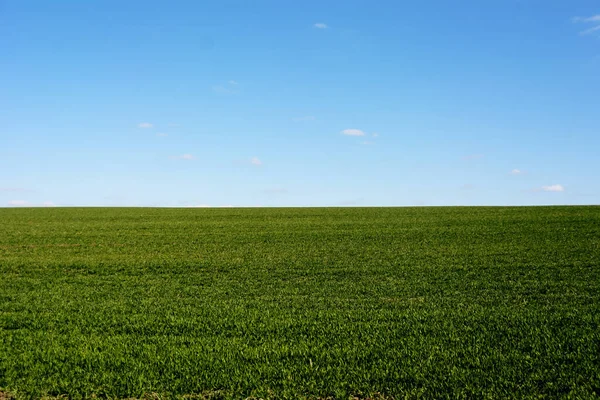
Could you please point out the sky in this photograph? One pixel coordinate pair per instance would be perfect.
(299, 103)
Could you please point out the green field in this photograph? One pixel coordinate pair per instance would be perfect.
(450, 302)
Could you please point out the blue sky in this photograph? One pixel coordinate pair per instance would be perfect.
(299, 103)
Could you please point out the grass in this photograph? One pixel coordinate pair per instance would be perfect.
(300, 303)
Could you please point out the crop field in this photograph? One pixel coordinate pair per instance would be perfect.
(449, 302)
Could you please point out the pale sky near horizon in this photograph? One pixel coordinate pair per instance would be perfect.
(311, 103)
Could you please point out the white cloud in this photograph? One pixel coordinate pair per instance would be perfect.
(375, 134)
(18, 203)
(222, 90)
(25, 203)
(305, 119)
(145, 125)
(553, 188)
(320, 25)
(516, 172)
(591, 30)
(255, 161)
(184, 157)
(231, 87)
(160, 134)
(367, 143)
(353, 132)
(594, 19)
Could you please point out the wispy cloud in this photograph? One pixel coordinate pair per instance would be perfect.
(160, 134)
(145, 125)
(184, 157)
(25, 203)
(591, 30)
(471, 157)
(223, 90)
(375, 134)
(594, 19)
(230, 88)
(18, 203)
(517, 172)
(305, 119)
(256, 161)
(553, 188)
(320, 25)
(353, 132)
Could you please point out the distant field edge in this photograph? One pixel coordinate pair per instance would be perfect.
(299, 207)
(207, 395)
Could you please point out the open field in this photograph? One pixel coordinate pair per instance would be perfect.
(290, 303)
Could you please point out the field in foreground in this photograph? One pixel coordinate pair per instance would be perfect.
(292, 303)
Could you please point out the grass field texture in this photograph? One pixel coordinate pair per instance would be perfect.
(478, 302)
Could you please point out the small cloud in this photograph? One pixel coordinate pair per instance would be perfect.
(367, 143)
(184, 157)
(304, 119)
(594, 19)
(160, 134)
(517, 172)
(18, 203)
(320, 25)
(591, 30)
(553, 188)
(145, 125)
(173, 125)
(353, 132)
(255, 161)
(48, 204)
(375, 134)
(473, 157)
(228, 89)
